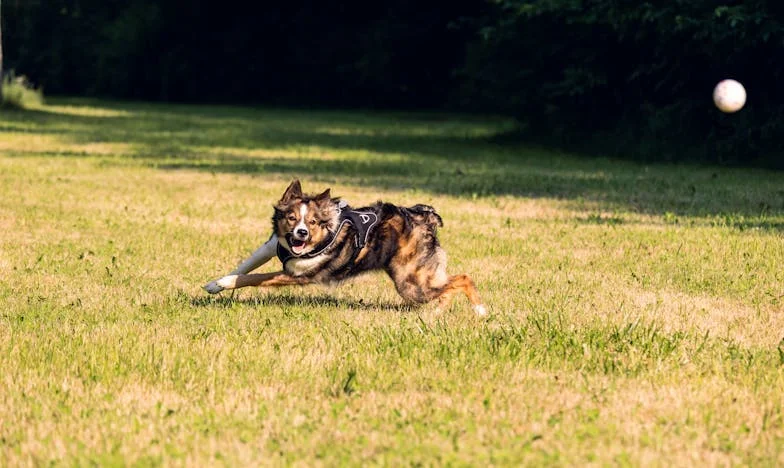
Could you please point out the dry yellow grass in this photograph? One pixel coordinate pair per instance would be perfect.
(636, 312)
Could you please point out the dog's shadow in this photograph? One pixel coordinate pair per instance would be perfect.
(290, 300)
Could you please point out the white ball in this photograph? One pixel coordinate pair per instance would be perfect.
(729, 96)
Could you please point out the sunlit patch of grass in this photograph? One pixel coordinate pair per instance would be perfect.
(86, 111)
(635, 310)
(446, 127)
(33, 143)
(19, 93)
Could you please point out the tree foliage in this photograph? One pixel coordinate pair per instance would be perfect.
(307, 52)
(632, 78)
(638, 74)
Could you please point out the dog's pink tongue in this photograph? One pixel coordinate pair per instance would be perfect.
(297, 248)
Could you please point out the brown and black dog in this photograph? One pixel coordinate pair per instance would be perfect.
(320, 239)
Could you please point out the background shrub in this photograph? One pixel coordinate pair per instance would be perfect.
(19, 93)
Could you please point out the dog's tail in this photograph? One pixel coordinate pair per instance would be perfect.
(428, 215)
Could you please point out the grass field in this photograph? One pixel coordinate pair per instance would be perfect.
(636, 311)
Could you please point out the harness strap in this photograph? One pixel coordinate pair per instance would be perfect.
(363, 220)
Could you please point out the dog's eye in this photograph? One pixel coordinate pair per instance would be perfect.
(291, 218)
(312, 222)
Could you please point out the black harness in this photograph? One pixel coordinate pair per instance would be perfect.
(362, 220)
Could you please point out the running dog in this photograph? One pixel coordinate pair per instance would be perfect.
(320, 239)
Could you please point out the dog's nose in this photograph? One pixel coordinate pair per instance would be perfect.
(302, 232)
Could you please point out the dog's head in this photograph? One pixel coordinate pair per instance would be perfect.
(303, 222)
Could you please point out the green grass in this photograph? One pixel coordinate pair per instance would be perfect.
(18, 93)
(636, 311)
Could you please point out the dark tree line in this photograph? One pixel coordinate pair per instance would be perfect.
(1, 51)
(349, 53)
(636, 78)
(615, 76)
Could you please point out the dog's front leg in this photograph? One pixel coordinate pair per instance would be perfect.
(278, 278)
(259, 257)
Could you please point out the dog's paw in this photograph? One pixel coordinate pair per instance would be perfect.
(213, 287)
(480, 310)
(227, 282)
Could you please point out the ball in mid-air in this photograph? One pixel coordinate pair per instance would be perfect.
(729, 96)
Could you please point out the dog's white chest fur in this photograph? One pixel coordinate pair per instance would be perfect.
(299, 266)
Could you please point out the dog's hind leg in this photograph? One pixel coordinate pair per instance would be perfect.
(279, 278)
(423, 279)
(444, 287)
(259, 257)
(464, 284)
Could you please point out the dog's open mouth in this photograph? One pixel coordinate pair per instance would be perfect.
(297, 246)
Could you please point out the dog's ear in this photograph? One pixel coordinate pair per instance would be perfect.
(323, 197)
(293, 191)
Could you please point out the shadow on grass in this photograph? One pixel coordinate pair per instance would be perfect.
(438, 153)
(289, 300)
